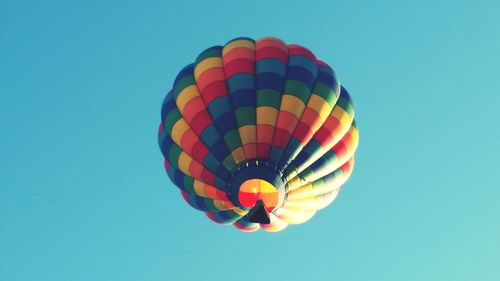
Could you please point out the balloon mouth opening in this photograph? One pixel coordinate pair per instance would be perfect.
(254, 190)
(257, 185)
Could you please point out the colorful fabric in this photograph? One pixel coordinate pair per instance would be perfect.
(258, 120)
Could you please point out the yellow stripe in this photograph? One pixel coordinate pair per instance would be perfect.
(319, 105)
(184, 162)
(293, 105)
(240, 211)
(237, 44)
(294, 216)
(266, 115)
(307, 190)
(219, 204)
(291, 174)
(227, 204)
(266, 187)
(340, 114)
(199, 188)
(186, 95)
(312, 203)
(355, 138)
(207, 64)
(300, 192)
(247, 134)
(178, 130)
(294, 183)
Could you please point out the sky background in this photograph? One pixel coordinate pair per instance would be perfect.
(83, 193)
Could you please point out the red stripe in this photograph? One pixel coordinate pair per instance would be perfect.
(287, 121)
(192, 107)
(331, 123)
(281, 138)
(239, 53)
(303, 133)
(200, 122)
(320, 62)
(239, 66)
(265, 133)
(221, 194)
(271, 52)
(209, 76)
(239, 226)
(347, 140)
(196, 171)
(340, 150)
(208, 177)
(347, 167)
(188, 140)
(250, 150)
(310, 117)
(211, 216)
(200, 149)
(263, 150)
(185, 196)
(213, 91)
(323, 137)
(297, 50)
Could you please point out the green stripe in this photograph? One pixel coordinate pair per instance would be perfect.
(232, 140)
(306, 174)
(268, 97)
(185, 82)
(212, 53)
(245, 116)
(298, 89)
(209, 203)
(326, 92)
(346, 105)
(173, 155)
(188, 183)
(229, 163)
(172, 118)
(354, 124)
(318, 183)
(242, 39)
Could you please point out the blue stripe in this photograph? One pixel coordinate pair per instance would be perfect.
(219, 149)
(301, 74)
(269, 80)
(242, 98)
(240, 81)
(186, 71)
(226, 122)
(219, 106)
(303, 62)
(270, 65)
(210, 135)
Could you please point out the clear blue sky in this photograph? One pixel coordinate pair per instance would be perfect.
(83, 193)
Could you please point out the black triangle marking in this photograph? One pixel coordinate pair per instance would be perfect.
(259, 214)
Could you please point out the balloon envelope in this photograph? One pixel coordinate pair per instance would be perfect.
(258, 134)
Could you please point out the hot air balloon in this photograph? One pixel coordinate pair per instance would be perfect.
(258, 134)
